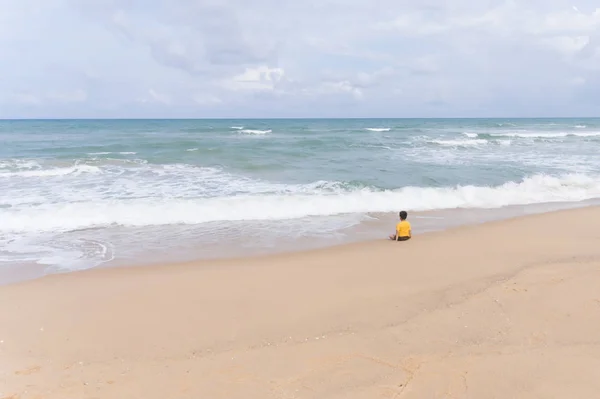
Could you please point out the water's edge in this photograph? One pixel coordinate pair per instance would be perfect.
(376, 229)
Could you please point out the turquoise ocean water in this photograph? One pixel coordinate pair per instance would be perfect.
(76, 194)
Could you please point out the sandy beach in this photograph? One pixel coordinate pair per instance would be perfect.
(507, 309)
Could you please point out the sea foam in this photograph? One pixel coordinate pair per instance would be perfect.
(292, 202)
(255, 131)
(533, 135)
(459, 143)
(70, 170)
(378, 129)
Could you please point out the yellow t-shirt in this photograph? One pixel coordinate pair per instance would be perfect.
(403, 229)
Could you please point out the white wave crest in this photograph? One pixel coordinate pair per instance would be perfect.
(546, 134)
(459, 143)
(237, 127)
(378, 129)
(70, 170)
(255, 131)
(19, 164)
(109, 153)
(535, 135)
(297, 202)
(192, 149)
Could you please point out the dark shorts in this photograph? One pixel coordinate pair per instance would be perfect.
(401, 238)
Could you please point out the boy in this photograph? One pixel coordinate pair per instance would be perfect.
(403, 229)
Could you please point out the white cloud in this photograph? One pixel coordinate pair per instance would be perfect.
(506, 18)
(154, 96)
(206, 99)
(318, 57)
(259, 79)
(64, 97)
(566, 45)
(342, 87)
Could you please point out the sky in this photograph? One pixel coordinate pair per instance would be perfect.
(291, 58)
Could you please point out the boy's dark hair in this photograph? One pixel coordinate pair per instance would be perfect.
(403, 215)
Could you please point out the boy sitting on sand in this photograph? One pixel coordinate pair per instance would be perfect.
(403, 229)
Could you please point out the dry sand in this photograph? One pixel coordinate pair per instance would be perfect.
(508, 309)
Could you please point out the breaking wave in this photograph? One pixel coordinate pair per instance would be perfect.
(255, 131)
(267, 201)
(533, 135)
(378, 129)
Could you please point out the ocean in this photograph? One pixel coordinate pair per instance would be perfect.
(77, 194)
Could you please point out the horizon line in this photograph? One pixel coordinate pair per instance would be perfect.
(289, 118)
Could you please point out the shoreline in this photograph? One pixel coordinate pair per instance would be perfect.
(424, 223)
(503, 309)
(356, 245)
